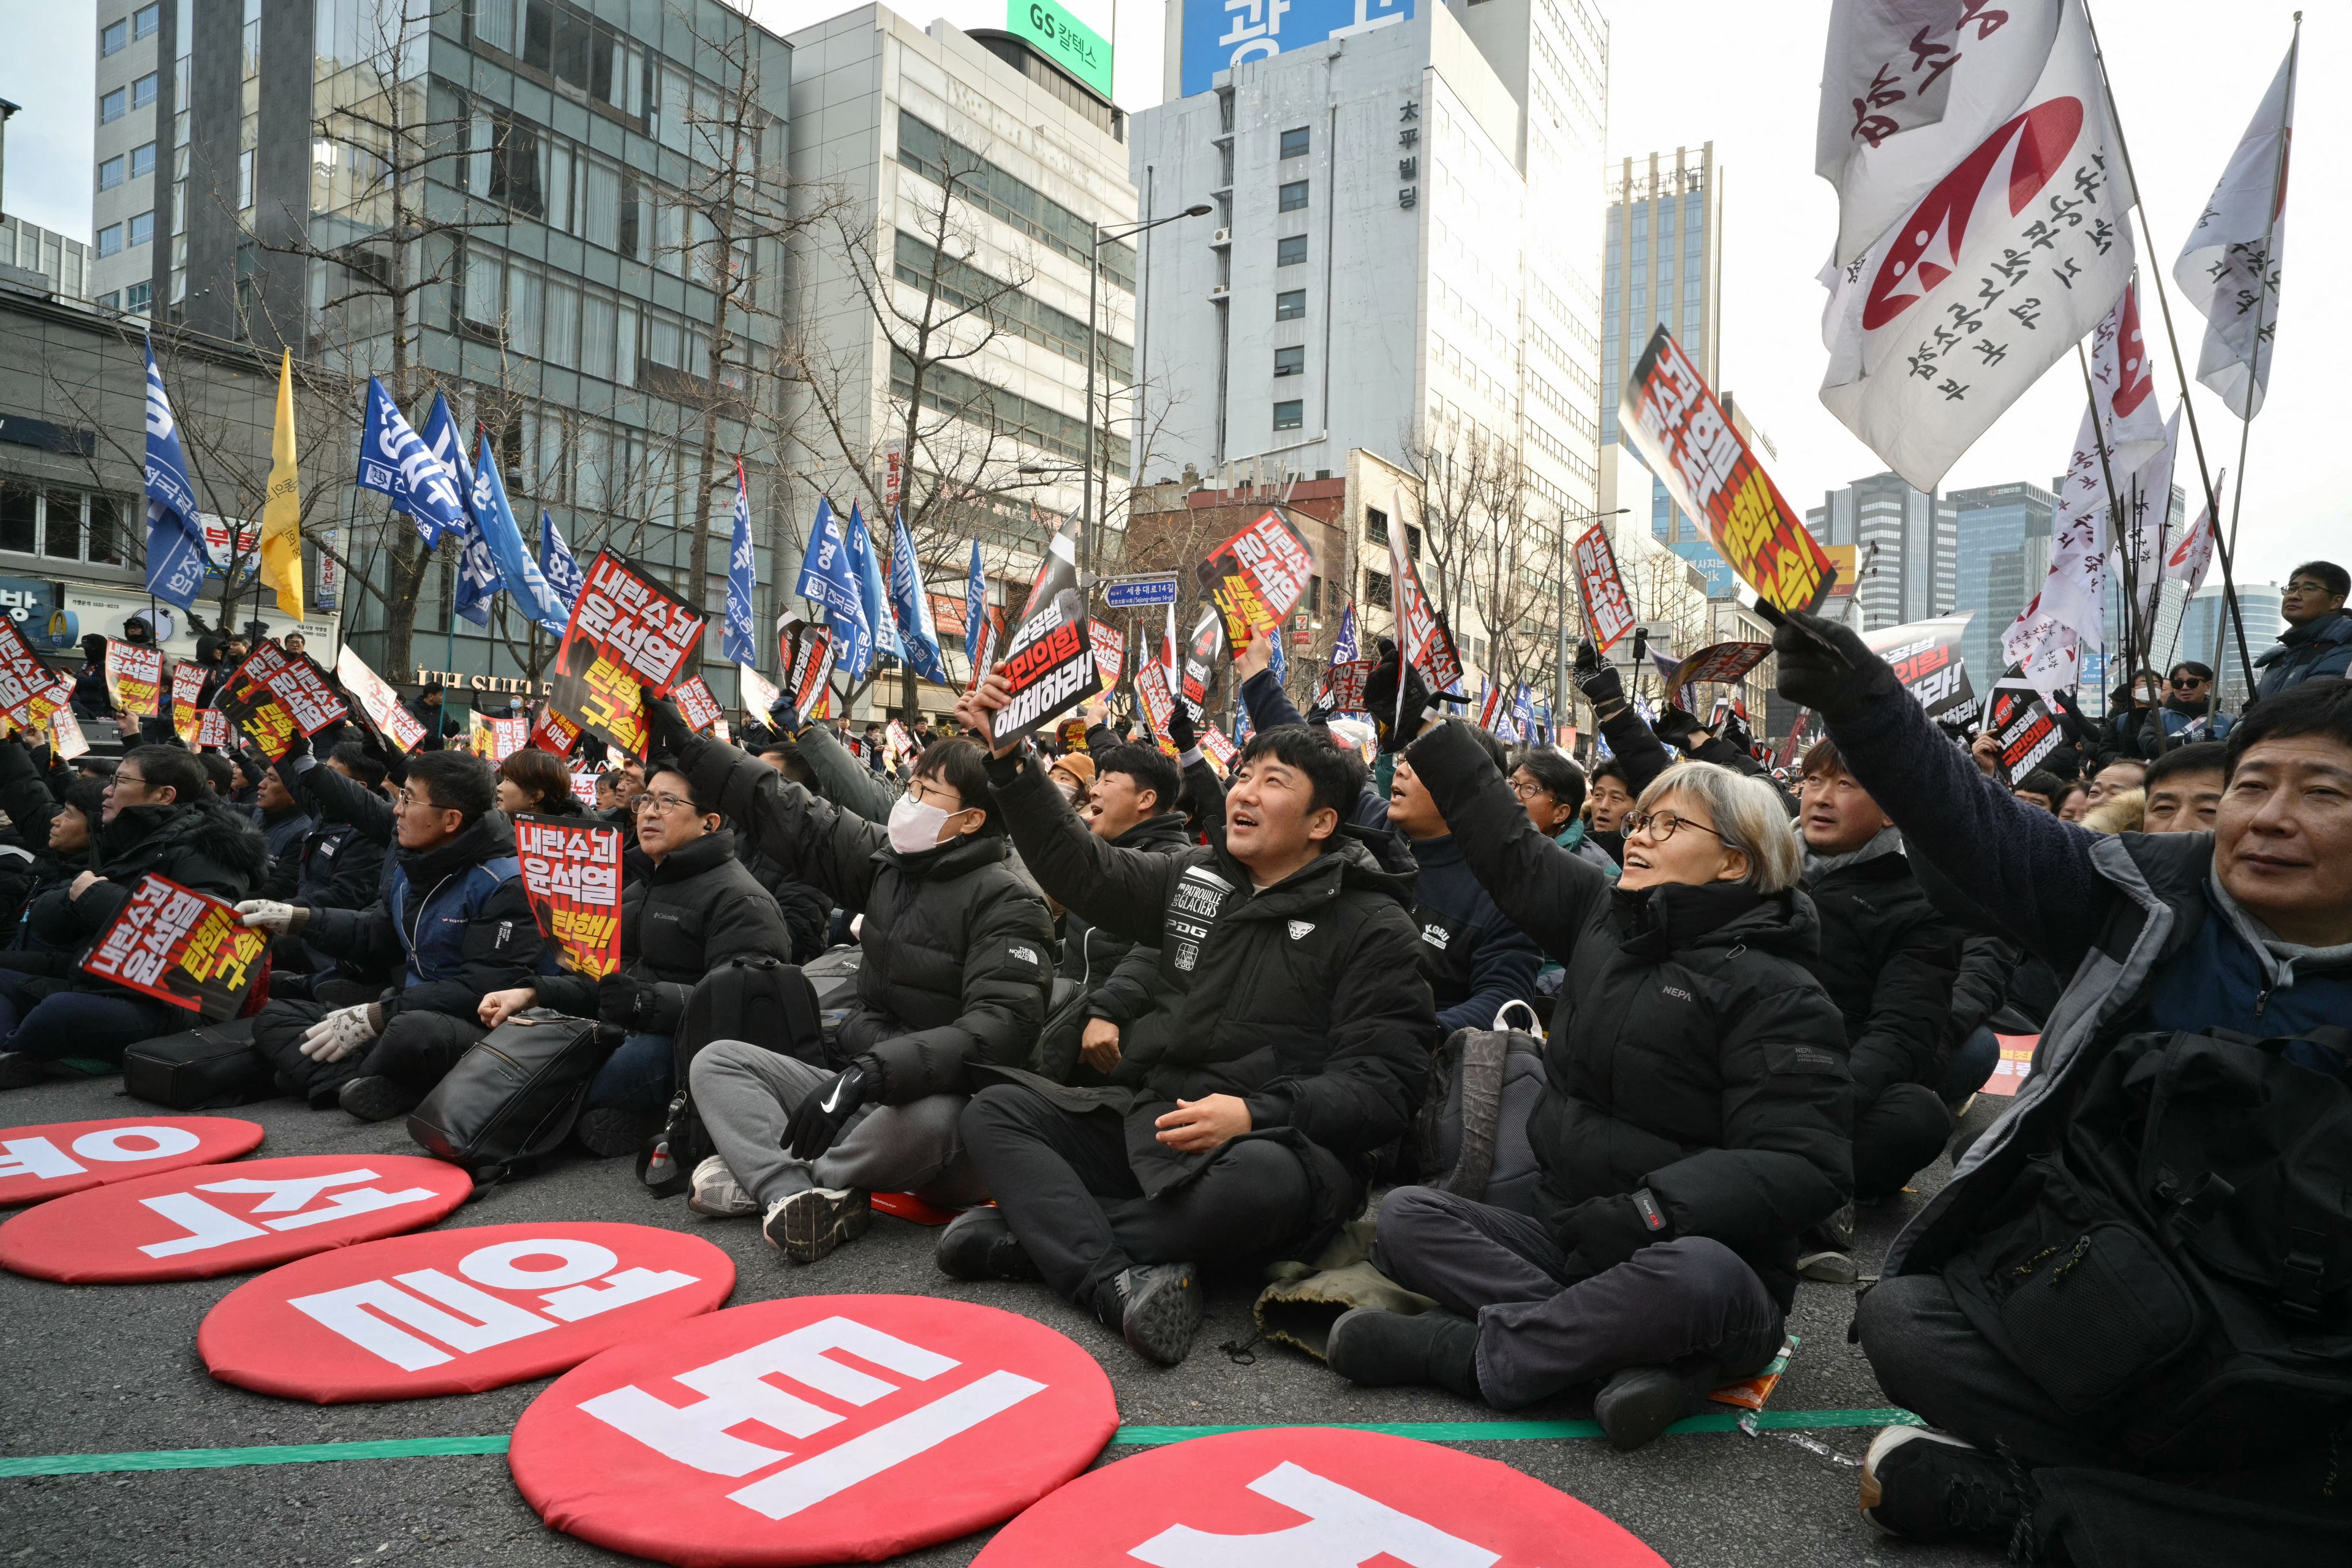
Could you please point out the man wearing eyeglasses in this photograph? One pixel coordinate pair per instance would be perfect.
(2317, 643)
(452, 922)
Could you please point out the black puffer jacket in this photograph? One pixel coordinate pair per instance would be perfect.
(1116, 981)
(336, 798)
(1305, 999)
(1888, 960)
(698, 909)
(29, 867)
(202, 845)
(958, 948)
(808, 914)
(1691, 1051)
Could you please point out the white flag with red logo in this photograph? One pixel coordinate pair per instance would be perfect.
(2068, 611)
(2229, 267)
(2191, 556)
(2122, 374)
(1988, 279)
(1909, 87)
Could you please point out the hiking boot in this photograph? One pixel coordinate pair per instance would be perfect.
(809, 1224)
(1156, 1308)
(608, 1132)
(22, 1070)
(977, 1245)
(375, 1099)
(1924, 1485)
(1373, 1348)
(716, 1193)
(1638, 1402)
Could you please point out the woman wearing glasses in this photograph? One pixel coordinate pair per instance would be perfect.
(1694, 1120)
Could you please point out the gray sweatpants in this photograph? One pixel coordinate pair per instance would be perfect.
(746, 1097)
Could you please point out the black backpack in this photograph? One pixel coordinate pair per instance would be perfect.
(752, 997)
(1472, 1140)
(515, 1093)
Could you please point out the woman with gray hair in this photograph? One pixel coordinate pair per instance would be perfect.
(1692, 1123)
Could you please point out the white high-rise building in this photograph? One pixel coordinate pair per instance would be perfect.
(1405, 250)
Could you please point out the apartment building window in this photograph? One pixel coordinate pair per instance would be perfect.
(109, 174)
(143, 229)
(245, 181)
(109, 239)
(1290, 305)
(114, 35)
(1315, 595)
(1290, 251)
(145, 21)
(110, 107)
(1376, 525)
(143, 91)
(1290, 362)
(1289, 415)
(1294, 196)
(142, 160)
(66, 525)
(139, 297)
(1294, 143)
(1376, 590)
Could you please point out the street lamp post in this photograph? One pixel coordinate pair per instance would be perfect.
(1560, 698)
(1103, 236)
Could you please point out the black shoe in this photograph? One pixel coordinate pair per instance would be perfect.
(1929, 1485)
(606, 1133)
(1156, 1308)
(377, 1098)
(1373, 1348)
(809, 1224)
(22, 1070)
(977, 1245)
(1638, 1402)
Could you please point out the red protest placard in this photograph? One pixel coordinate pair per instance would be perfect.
(302, 687)
(1670, 418)
(1200, 660)
(256, 712)
(1223, 751)
(509, 733)
(1110, 652)
(212, 729)
(1607, 611)
(555, 734)
(181, 946)
(134, 677)
(1159, 705)
(378, 700)
(2024, 726)
(66, 738)
(1926, 660)
(810, 668)
(599, 694)
(635, 622)
(1420, 630)
(760, 695)
(1050, 663)
(25, 679)
(187, 688)
(1725, 661)
(1342, 687)
(1257, 577)
(571, 877)
(695, 704)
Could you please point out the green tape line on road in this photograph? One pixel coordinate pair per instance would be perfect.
(1128, 1436)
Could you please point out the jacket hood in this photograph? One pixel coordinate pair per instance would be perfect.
(206, 827)
(487, 837)
(1161, 832)
(704, 854)
(1674, 918)
(1352, 861)
(969, 853)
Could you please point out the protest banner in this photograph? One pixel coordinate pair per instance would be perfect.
(212, 729)
(1726, 661)
(759, 693)
(187, 686)
(1926, 660)
(376, 698)
(697, 705)
(584, 789)
(572, 878)
(1257, 577)
(599, 694)
(553, 734)
(1342, 687)
(134, 677)
(809, 667)
(635, 622)
(26, 680)
(179, 946)
(2016, 718)
(1608, 613)
(250, 708)
(1201, 660)
(1672, 421)
(1152, 692)
(478, 735)
(1049, 666)
(1111, 653)
(302, 686)
(1222, 752)
(2016, 1064)
(509, 733)
(66, 738)
(1422, 632)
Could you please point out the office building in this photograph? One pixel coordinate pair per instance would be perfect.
(42, 260)
(130, 180)
(1905, 566)
(2205, 630)
(2001, 552)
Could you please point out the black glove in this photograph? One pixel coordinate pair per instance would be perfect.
(1599, 682)
(668, 726)
(784, 717)
(818, 1119)
(1736, 734)
(1397, 726)
(1180, 732)
(1828, 668)
(300, 746)
(621, 999)
(1587, 659)
(1605, 1232)
(1676, 727)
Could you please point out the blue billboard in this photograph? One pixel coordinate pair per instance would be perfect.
(1221, 34)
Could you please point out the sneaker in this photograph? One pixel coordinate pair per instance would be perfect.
(377, 1098)
(1839, 1227)
(807, 1224)
(608, 1133)
(1156, 1308)
(716, 1193)
(977, 1245)
(1638, 1402)
(1830, 1264)
(1373, 1348)
(22, 1070)
(1924, 1485)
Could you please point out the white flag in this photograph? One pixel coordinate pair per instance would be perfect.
(2229, 267)
(2148, 500)
(2069, 610)
(2123, 372)
(2191, 556)
(1909, 87)
(2046, 654)
(1960, 307)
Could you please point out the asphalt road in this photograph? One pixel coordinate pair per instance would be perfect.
(101, 1370)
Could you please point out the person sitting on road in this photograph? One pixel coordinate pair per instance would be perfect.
(2122, 1355)
(53, 819)
(1694, 1120)
(698, 909)
(1290, 1042)
(1474, 959)
(453, 922)
(958, 963)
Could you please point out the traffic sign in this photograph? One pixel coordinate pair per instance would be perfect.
(1140, 593)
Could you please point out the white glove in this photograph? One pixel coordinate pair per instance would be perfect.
(340, 1033)
(266, 914)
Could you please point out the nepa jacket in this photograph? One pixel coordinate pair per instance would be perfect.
(959, 949)
(1888, 961)
(1691, 1050)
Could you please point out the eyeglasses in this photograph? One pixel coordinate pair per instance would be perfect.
(1661, 825)
(122, 778)
(1527, 791)
(664, 803)
(418, 802)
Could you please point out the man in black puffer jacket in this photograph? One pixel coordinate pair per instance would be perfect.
(808, 913)
(958, 960)
(1693, 1119)
(1475, 960)
(160, 817)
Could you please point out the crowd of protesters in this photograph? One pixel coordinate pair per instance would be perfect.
(1143, 1019)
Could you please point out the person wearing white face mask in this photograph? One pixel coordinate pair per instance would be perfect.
(959, 959)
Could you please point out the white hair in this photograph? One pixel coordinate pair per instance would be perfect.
(1747, 815)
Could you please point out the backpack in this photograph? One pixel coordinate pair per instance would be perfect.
(1473, 1140)
(751, 997)
(209, 1066)
(515, 1093)
(2179, 1265)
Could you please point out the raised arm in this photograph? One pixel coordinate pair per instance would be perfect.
(827, 847)
(843, 779)
(334, 798)
(1121, 891)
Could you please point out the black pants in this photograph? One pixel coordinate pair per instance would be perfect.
(416, 1049)
(1896, 1136)
(1545, 1326)
(1066, 1190)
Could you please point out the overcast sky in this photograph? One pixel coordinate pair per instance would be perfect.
(2188, 75)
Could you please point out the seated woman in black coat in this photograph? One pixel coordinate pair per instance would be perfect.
(1692, 1123)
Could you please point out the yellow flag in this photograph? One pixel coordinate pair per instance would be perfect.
(282, 511)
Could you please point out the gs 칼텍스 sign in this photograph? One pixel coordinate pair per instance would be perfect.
(1063, 39)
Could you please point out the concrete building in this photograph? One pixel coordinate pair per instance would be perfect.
(129, 205)
(2001, 554)
(1914, 573)
(2205, 628)
(32, 256)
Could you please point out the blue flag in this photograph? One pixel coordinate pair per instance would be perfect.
(494, 524)
(919, 635)
(1523, 712)
(1278, 662)
(881, 636)
(395, 460)
(477, 571)
(1343, 648)
(563, 575)
(827, 581)
(175, 529)
(975, 604)
(742, 581)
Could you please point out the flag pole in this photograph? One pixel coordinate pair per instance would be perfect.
(2117, 511)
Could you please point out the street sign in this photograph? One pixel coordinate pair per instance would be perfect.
(1140, 591)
